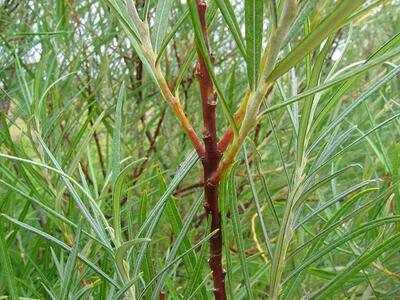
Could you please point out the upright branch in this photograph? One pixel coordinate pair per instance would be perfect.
(253, 98)
(211, 158)
(246, 117)
(146, 49)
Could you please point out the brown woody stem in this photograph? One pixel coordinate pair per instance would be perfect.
(210, 160)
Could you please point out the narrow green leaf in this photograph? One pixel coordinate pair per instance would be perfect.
(80, 146)
(181, 238)
(363, 97)
(226, 234)
(161, 23)
(329, 24)
(359, 210)
(47, 209)
(155, 214)
(341, 240)
(334, 200)
(121, 12)
(70, 266)
(91, 220)
(360, 263)
(311, 186)
(171, 34)
(338, 79)
(334, 143)
(274, 12)
(200, 286)
(50, 292)
(197, 272)
(125, 288)
(117, 198)
(257, 204)
(264, 182)
(254, 13)
(116, 143)
(238, 232)
(122, 251)
(345, 86)
(361, 138)
(178, 258)
(228, 13)
(290, 287)
(69, 179)
(83, 292)
(6, 263)
(307, 112)
(63, 246)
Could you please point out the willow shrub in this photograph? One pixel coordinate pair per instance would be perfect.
(121, 120)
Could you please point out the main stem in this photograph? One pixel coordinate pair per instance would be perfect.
(210, 161)
(211, 206)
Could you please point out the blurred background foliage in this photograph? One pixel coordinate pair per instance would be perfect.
(63, 65)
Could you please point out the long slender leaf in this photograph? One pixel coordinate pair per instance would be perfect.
(6, 263)
(331, 23)
(254, 13)
(228, 13)
(347, 237)
(161, 24)
(63, 246)
(364, 260)
(155, 214)
(70, 266)
(238, 233)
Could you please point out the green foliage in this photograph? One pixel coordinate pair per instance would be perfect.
(254, 11)
(101, 192)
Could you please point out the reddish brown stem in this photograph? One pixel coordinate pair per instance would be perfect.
(210, 160)
(225, 140)
(228, 135)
